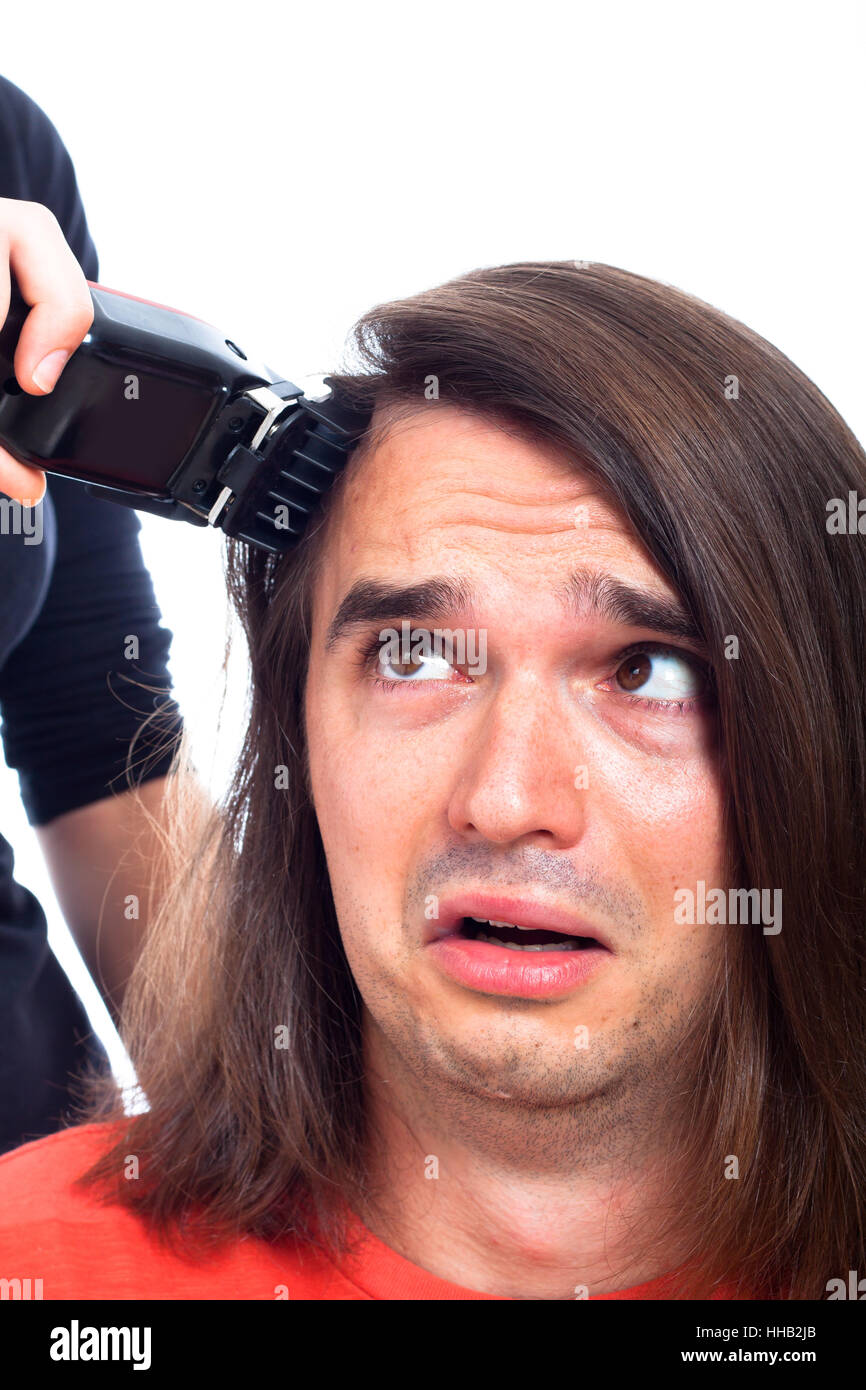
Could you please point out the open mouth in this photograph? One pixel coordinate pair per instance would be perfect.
(545, 954)
(515, 938)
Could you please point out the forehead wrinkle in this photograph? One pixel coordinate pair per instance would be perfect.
(435, 467)
(550, 494)
(506, 488)
(563, 527)
(527, 518)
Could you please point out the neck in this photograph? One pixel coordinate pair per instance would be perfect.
(522, 1201)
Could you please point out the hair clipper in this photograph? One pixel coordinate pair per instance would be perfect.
(159, 411)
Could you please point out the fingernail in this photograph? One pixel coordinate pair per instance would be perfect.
(49, 369)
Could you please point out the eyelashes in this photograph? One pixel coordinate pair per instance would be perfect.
(668, 702)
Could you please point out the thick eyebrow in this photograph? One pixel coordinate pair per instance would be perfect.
(587, 592)
(369, 601)
(440, 599)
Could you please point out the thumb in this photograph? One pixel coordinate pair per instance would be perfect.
(21, 482)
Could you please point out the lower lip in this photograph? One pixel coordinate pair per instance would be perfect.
(525, 974)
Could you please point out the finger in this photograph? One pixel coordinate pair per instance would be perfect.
(21, 482)
(51, 281)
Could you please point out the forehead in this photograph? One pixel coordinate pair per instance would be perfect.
(445, 490)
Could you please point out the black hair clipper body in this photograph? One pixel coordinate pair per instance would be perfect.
(160, 411)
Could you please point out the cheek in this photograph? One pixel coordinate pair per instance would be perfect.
(664, 828)
(368, 799)
(366, 807)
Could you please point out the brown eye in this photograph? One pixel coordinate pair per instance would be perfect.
(634, 671)
(660, 675)
(403, 668)
(418, 670)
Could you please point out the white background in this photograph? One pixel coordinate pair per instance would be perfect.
(276, 169)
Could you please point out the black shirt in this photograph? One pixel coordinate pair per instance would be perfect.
(70, 701)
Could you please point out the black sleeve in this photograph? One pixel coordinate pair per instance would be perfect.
(70, 696)
(35, 165)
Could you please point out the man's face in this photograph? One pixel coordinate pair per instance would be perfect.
(537, 781)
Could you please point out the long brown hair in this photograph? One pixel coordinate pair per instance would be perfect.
(724, 457)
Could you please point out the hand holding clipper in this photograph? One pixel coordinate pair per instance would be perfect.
(52, 282)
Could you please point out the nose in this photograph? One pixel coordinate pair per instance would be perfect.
(518, 778)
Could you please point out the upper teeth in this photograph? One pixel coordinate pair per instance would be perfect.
(570, 945)
(490, 922)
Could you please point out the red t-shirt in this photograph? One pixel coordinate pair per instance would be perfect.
(81, 1248)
